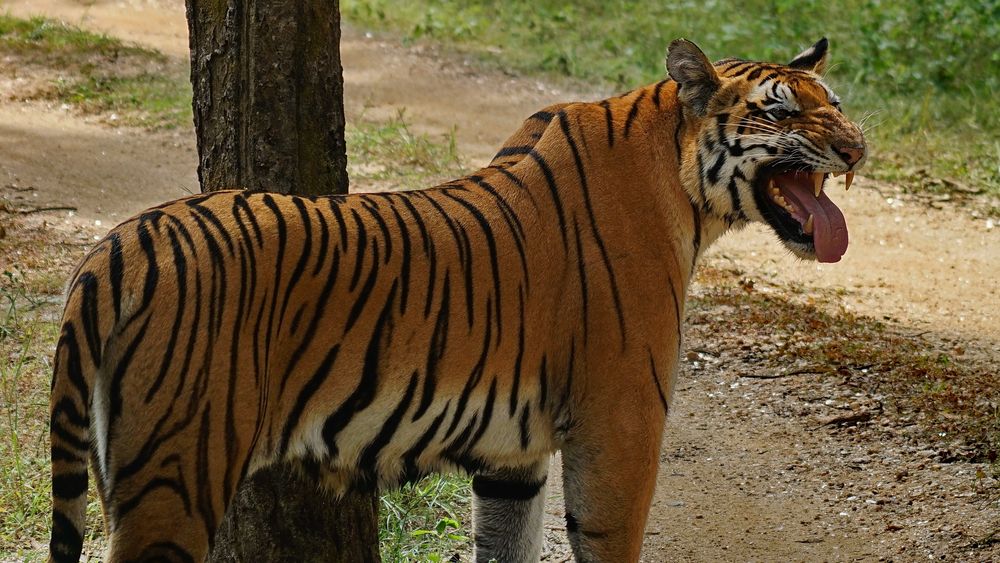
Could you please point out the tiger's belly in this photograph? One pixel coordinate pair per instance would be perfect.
(406, 444)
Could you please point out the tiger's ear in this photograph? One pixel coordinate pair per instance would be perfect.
(814, 58)
(694, 74)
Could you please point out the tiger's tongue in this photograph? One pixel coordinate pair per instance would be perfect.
(829, 225)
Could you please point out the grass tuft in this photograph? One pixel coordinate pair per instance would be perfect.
(424, 521)
(391, 156)
(97, 74)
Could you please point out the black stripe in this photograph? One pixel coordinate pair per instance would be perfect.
(713, 171)
(515, 386)
(696, 242)
(180, 269)
(152, 271)
(656, 381)
(406, 251)
(609, 122)
(634, 111)
(372, 209)
(656, 92)
(486, 487)
(69, 486)
(300, 266)
(484, 423)
(734, 198)
(677, 137)
(568, 389)
(491, 245)
(116, 271)
(121, 368)
(701, 181)
(755, 73)
(90, 307)
(582, 275)
(594, 232)
(517, 182)
(553, 191)
(62, 454)
(436, 350)
(217, 279)
(369, 456)
(341, 224)
(66, 543)
(513, 224)
(411, 455)
(73, 367)
(474, 377)
(305, 393)
(203, 480)
(67, 436)
(366, 290)
(157, 483)
(364, 392)
(324, 242)
(515, 150)
(214, 220)
(240, 202)
(545, 116)
(362, 243)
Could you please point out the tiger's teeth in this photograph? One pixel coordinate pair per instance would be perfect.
(817, 183)
(848, 180)
(808, 227)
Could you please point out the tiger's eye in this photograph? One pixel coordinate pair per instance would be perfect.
(779, 114)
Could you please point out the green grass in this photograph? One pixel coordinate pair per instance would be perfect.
(40, 36)
(98, 74)
(425, 521)
(930, 71)
(390, 155)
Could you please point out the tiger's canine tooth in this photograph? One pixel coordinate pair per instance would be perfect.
(817, 183)
(808, 227)
(848, 180)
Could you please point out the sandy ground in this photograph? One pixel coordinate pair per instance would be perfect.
(757, 487)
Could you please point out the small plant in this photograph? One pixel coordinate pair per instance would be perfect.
(424, 520)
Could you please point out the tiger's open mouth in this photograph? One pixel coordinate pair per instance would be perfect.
(796, 206)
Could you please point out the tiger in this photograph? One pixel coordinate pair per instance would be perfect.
(481, 325)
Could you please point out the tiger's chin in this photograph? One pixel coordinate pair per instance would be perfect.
(795, 204)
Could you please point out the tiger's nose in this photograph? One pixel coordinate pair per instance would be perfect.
(850, 155)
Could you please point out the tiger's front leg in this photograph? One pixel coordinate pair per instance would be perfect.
(508, 507)
(610, 461)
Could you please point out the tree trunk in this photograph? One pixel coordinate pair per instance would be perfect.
(269, 115)
(268, 95)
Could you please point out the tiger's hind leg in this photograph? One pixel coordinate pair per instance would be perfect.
(163, 533)
(508, 507)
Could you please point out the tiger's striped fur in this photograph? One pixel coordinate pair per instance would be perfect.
(481, 325)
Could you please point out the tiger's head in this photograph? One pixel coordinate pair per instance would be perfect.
(767, 139)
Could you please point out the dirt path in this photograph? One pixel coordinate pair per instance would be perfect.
(746, 476)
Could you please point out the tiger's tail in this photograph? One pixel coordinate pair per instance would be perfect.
(77, 360)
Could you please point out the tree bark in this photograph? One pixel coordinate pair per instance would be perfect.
(269, 116)
(268, 95)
